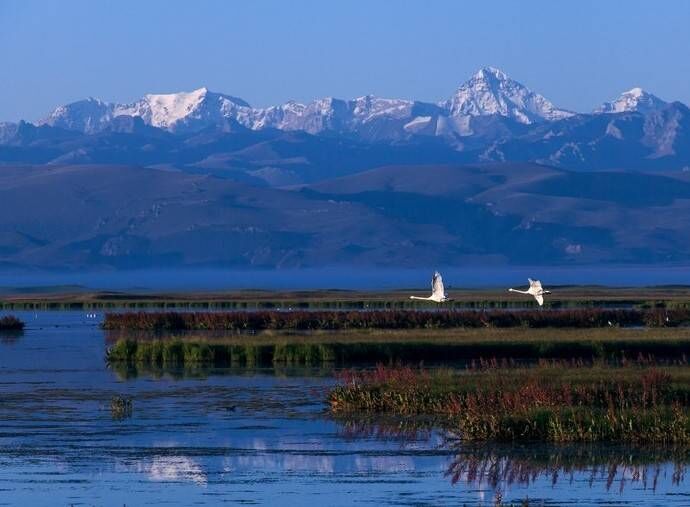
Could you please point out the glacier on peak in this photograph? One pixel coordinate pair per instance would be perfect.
(633, 100)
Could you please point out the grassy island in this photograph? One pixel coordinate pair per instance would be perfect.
(557, 401)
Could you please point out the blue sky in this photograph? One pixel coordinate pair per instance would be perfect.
(576, 53)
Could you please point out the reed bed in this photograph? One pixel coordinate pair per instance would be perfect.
(395, 319)
(11, 323)
(184, 353)
(556, 402)
(176, 352)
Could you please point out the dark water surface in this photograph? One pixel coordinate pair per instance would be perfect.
(260, 437)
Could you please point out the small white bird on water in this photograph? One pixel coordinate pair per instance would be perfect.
(535, 289)
(438, 294)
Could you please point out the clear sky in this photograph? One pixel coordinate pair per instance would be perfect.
(576, 53)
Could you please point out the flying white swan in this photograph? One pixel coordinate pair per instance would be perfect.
(438, 294)
(535, 289)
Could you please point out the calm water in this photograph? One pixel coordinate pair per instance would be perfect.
(259, 437)
(185, 279)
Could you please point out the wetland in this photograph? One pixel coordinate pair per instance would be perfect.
(448, 416)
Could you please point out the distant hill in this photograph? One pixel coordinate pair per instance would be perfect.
(130, 217)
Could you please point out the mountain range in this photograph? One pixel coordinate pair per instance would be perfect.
(488, 92)
(495, 173)
(489, 118)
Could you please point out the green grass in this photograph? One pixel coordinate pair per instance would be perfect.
(402, 346)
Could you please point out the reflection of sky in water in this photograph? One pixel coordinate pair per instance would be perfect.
(59, 444)
(173, 469)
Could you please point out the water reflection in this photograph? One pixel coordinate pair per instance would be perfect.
(264, 436)
(614, 466)
(134, 371)
(10, 337)
(175, 468)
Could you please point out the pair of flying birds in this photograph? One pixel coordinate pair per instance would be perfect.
(438, 293)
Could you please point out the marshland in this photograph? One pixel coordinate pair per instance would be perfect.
(201, 399)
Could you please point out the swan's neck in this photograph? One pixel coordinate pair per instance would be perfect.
(519, 291)
(423, 299)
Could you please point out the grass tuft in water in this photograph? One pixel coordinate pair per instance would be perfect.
(120, 407)
(11, 323)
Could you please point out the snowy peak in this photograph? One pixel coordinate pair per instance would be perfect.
(174, 111)
(635, 100)
(369, 107)
(88, 116)
(171, 111)
(491, 92)
(490, 73)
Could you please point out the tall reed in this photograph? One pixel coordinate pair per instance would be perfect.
(393, 319)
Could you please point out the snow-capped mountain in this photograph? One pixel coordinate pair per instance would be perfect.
(491, 92)
(88, 116)
(488, 93)
(189, 111)
(174, 112)
(635, 100)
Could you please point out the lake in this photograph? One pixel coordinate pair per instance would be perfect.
(342, 277)
(262, 437)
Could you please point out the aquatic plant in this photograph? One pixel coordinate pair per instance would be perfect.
(11, 323)
(393, 319)
(176, 352)
(120, 407)
(369, 349)
(557, 404)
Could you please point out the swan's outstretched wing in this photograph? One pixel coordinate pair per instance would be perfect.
(534, 284)
(540, 299)
(437, 285)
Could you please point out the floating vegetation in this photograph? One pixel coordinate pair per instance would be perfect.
(120, 407)
(394, 319)
(11, 323)
(554, 402)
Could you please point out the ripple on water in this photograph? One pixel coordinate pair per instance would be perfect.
(257, 437)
